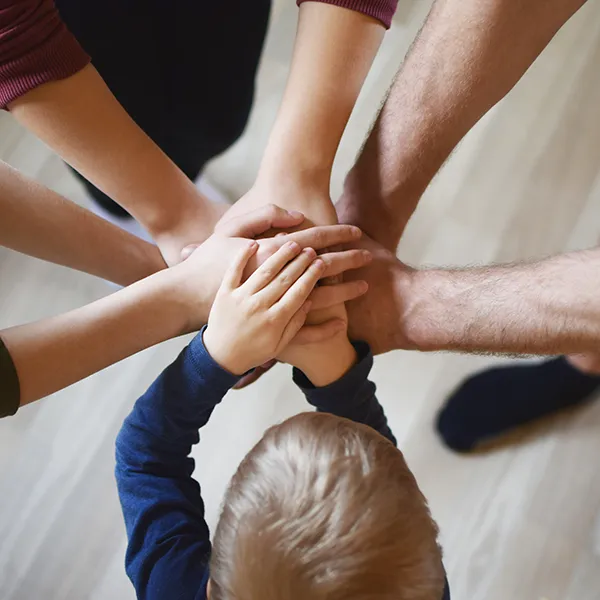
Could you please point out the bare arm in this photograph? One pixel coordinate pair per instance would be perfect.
(333, 52)
(546, 307)
(468, 56)
(80, 119)
(53, 353)
(43, 224)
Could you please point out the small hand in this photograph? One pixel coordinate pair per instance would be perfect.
(197, 279)
(251, 322)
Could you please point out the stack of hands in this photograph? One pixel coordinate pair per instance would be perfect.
(258, 292)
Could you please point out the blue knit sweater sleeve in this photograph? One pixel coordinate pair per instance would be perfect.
(352, 396)
(168, 540)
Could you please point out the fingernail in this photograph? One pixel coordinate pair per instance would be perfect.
(356, 232)
(362, 286)
(296, 214)
(253, 245)
(367, 256)
(309, 251)
(318, 264)
(293, 246)
(339, 325)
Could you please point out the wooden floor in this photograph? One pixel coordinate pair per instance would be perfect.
(521, 523)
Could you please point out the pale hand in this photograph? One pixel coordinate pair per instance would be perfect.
(252, 321)
(309, 199)
(197, 279)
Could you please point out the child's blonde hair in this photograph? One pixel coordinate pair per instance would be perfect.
(325, 508)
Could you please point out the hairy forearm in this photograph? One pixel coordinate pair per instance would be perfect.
(53, 353)
(39, 222)
(80, 119)
(468, 56)
(546, 307)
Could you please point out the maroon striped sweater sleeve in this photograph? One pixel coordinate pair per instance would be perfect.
(35, 47)
(382, 10)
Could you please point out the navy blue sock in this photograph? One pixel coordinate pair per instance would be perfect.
(495, 401)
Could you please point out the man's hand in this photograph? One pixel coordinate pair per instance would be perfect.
(378, 317)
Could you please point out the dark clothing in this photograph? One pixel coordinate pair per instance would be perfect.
(9, 384)
(183, 70)
(169, 544)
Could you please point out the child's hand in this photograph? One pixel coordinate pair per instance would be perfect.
(323, 361)
(252, 322)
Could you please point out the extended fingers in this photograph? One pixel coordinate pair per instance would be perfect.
(271, 267)
(299, 292)
(327, 296)
(325, 236)
(284, 280)
(258, 221)
(338, 262)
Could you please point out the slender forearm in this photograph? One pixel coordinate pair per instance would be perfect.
(80, 119)
(546, 307)
(468, 56)
(333, 52)
(53, 353)
(43, 224)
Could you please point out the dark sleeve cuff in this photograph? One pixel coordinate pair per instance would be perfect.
(10, 392)
(214, 376)
(338, 392)
(382, 10)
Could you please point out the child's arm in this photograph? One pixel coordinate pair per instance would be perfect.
(169, 545)
(249, 323)
(338, 384)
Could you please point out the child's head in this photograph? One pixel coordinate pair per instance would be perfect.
(324, 508)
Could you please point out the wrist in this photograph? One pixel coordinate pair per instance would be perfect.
(428, 321)
(222, 354)
(296, 170)
(193, 304)
(330, 362)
